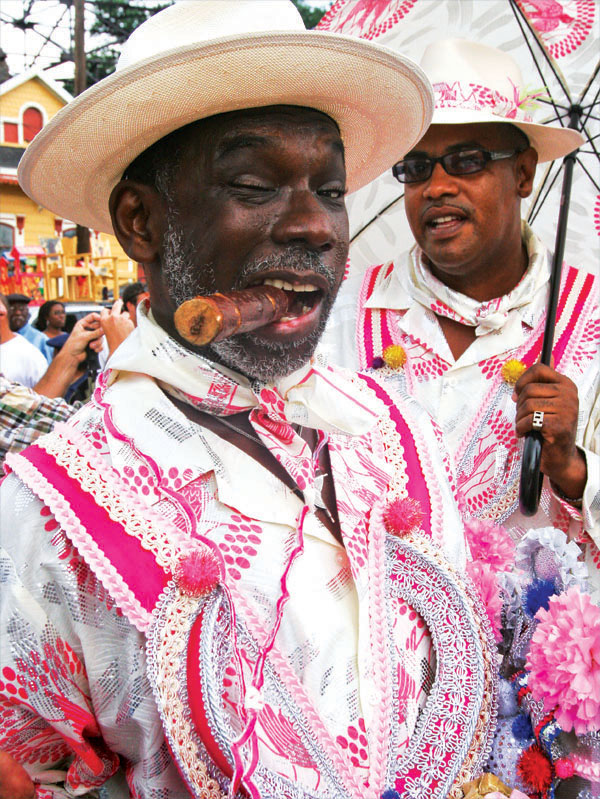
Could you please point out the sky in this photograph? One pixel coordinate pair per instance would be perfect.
(26, 49)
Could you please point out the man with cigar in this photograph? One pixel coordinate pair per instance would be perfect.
(235, 573)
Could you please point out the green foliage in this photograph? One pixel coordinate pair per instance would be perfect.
(311, 14)
(118, 18)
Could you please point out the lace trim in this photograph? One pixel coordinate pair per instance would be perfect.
(382, 667)
(166, 650)
(461, 705)
(89, 550)
(83, 464)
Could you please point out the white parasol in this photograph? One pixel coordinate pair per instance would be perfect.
(555, 43)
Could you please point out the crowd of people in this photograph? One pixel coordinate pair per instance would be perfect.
(291, 562)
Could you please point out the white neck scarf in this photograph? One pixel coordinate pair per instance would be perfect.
(315, 397)
(486, 316)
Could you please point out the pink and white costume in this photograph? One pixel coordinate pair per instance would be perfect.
(168, 602)
(470, 398)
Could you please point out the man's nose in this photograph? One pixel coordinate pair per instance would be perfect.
(305, 220)
(440, 183)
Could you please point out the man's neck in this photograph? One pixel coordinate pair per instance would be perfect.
(488, 281)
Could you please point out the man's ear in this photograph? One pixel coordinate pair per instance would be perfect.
(526, 164)
(138, 217)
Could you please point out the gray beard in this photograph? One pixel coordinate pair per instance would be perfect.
(186, 279)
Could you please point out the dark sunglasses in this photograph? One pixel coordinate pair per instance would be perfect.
(417, 168)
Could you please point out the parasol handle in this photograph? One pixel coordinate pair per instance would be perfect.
(530, 486)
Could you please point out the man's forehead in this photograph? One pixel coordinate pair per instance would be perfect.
(250, 126)
(442, 137)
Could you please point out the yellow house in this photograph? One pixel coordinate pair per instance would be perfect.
(27, 102)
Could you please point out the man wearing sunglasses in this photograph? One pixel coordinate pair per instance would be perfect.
(459, 321)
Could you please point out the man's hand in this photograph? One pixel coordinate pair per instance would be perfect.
(66, 365)
(116, 325)
(540, 388)
(15, 782)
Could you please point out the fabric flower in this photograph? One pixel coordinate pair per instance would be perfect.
(490, 543)
(564, 661)
(535, 548)
(484, 578)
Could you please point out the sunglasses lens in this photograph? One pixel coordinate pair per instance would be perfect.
(412, 170)
(465, 162)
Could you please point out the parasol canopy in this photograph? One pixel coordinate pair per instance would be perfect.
(555, 43)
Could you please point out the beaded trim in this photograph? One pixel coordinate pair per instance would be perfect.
(459, 710)
(166, 650)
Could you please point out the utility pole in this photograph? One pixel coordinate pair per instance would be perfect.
(79, 47)
(83, 234)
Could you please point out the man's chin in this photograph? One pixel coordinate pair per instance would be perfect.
(263, 360)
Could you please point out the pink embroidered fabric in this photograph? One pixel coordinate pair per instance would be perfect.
(75, 694)
(469, 398)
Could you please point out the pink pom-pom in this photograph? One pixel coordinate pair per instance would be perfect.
(197, 572)
(564, 661)
(490, 544)
(564, 768)
(485, 582)
(402, 516)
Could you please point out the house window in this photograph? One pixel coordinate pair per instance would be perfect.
(7, 236)
(11, 132)
(33, 121)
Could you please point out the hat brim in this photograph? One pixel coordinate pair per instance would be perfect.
(550, 141)
(381, 101)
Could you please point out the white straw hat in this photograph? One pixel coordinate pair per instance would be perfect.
(196, 59)
(476, 83)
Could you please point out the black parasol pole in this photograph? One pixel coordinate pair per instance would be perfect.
(531, 477)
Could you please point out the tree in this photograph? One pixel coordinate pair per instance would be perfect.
(118, 18)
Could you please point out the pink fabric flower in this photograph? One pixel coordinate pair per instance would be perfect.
(564, 661)
(484, 578)
(490, 544)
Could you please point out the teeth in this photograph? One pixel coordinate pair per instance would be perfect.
(283, 284)
(441, 219)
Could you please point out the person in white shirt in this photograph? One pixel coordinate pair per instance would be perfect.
(458, 321)
(20, 361)
(242, 570)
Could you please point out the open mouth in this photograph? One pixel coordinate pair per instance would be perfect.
(303, 298)
(448, 221)
(442, 221)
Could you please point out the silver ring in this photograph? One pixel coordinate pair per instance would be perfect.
(538, 420)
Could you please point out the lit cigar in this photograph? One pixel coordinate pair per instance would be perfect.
(202, 320)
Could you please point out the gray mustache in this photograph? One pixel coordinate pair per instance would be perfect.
(294, 259)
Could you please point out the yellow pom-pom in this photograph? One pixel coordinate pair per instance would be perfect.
(512, 370)
(394, 356)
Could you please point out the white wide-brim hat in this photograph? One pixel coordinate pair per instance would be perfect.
(476, 83)
(196, 59)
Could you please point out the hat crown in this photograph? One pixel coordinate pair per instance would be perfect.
(190, 22)
(463, 61)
